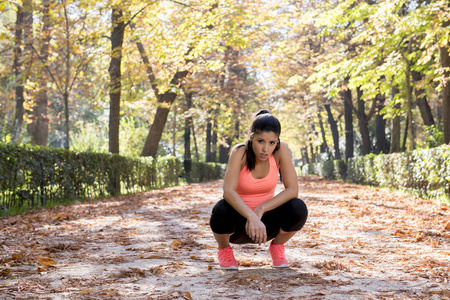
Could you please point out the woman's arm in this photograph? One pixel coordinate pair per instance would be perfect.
(230, 182)
(255, 229)
(290, 182)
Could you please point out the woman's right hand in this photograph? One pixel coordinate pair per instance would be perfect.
(256, 229)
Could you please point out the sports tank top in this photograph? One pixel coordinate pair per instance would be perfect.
(256, 191)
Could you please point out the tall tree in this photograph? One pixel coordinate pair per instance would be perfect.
(334, 131)
(445, 64)
(18, 72)
(38, 127)
(421, 99)
(346, 94)
(380, 126)
(395, 124)
(115, 73)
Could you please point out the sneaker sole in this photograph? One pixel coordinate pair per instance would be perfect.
(281, 266)
(232, 268)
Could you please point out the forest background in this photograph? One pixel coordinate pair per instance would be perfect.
(149, 78)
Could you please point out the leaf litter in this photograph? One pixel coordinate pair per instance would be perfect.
(358, 243)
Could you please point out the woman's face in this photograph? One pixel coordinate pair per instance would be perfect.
(264, 144)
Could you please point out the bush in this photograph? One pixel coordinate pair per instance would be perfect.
(33, 176)
(425, 170)
(207, 171)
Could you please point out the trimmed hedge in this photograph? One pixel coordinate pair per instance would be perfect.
(423, 170)
(207, 171)
(332, 169)
(33, 176)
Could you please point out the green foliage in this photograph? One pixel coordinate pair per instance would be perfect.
(32, 176)
(426, 171)
(435, 137)
(207, 171)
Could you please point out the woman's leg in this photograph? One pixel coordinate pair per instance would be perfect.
(283, 236)
(286, 220)
(224, 219)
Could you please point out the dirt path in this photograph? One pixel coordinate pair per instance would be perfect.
(358, 243)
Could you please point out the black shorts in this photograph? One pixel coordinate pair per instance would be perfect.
(291, 216)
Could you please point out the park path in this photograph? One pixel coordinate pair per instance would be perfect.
(358, 243)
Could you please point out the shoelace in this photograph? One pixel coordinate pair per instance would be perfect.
(228, 255)
(280, 252)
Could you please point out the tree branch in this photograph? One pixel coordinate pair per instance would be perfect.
(48, 70)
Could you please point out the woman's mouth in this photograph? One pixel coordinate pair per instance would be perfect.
(263, 156)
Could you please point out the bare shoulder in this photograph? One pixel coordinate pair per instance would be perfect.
(283, 152)
(237, 156)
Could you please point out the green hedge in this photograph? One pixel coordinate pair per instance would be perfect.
(423, 170)
(207, 171)
(32, 176)
(332, 169)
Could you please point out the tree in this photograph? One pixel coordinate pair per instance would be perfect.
(38, 127)
(334, 131)
(117, 34)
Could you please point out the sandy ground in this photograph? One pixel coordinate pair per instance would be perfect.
(358, 243)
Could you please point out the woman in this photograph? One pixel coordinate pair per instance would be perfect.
(249, 211)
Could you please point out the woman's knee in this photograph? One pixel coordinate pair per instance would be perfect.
(222, 217)
(297, 207)
(296, 214)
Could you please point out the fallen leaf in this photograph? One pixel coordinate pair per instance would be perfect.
(187, 296)
(447, 227)
(16, 256)
(46, 261)
(176, 285)
(85, 291)
(5, 272)
(176, 243)
(151, 256)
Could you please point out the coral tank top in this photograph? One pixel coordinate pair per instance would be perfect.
(256, 191)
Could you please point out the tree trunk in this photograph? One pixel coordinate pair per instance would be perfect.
(409, 102)
(363, 122)
(66, 115)
(117, 34)
(159, 122)
(305, 158)
(208, 139)
(380, 127)
(324, 145)
(197, 155)
(187, 140)
(334, 132)
(445, 63)
(223, 152)
(38, 128)
(214, 144)
(421, 100)
(18, 73)
(174, 131)
(165, 102)
(348, 117)
(405, 135)
(395, 125)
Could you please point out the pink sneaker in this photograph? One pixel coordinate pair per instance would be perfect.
(226, 259)
(278, 258)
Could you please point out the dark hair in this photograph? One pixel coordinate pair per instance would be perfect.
(262, 122)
